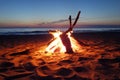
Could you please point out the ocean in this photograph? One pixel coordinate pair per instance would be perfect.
(37, 31)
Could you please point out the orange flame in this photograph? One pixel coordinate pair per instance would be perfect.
(57, 46)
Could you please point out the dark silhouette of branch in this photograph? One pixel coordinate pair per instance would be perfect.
(70, 21)
(76, 19)
(71, 26)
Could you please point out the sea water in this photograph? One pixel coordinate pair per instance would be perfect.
(45, 30)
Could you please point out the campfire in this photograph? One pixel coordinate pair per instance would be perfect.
(63, 42)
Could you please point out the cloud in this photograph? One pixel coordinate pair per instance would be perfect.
(55, 22)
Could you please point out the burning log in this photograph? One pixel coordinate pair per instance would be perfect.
(64, 37)
(62, 41)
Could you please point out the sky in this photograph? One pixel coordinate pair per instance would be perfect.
(45, 13)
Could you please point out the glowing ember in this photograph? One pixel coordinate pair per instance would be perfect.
(63, 41)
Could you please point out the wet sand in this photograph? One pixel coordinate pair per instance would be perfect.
(22, 58)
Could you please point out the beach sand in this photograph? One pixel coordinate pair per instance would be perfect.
(22, 57)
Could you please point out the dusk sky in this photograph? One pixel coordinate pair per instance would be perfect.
(40, 13)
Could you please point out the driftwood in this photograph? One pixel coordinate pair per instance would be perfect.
(64, 37)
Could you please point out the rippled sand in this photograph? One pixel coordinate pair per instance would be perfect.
(23, 58)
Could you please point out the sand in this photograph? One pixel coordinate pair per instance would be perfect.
(22, 58)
